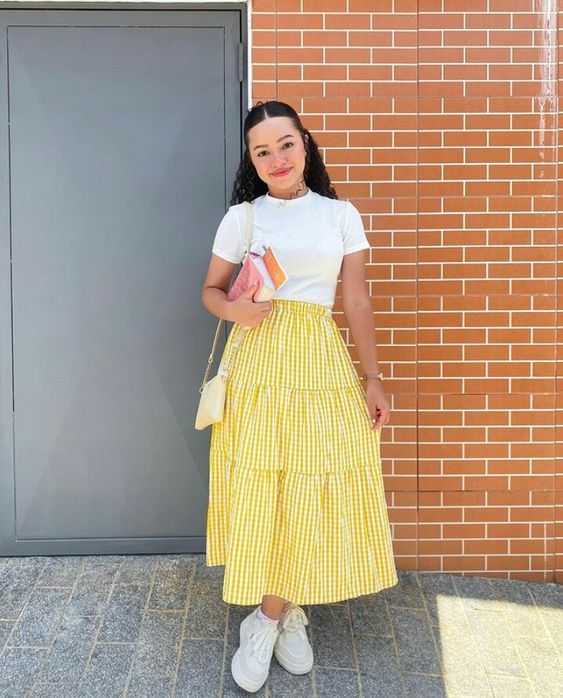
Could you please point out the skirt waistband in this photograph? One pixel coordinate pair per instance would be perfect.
(301, 307)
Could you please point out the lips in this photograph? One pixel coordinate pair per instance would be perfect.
(281, 173)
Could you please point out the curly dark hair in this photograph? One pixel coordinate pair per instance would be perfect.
(248, 184)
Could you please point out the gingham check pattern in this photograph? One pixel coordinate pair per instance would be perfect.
(296, 500)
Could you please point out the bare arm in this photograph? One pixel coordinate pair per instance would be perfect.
(358, 310)
(360, 318)
(216, 286)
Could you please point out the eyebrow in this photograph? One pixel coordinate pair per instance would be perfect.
(279, 139)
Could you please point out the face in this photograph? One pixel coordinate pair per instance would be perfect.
(278, 153)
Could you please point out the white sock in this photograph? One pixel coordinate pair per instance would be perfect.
(263, 616)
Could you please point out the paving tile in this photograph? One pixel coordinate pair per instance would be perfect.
(60, 571)
(509, 687)
(543, 664)
(199, 673)
(19, 667)
(207, 612)
(511, 590)
(89, 598)
(5, 629)
(380, 674)
(476, 592)
(107, 670)
(519, 609)
(158, 645)
(423, 686)
(172, 579)
(122, 619)
(40, 618)
(337, 682)
(151, 687)
(553, 621)
(202, 571)
(464, 673)
(549, 602)
(547, 595)
(449, 613)
(331, 636)
(69, 654)
(55, 690)
(30, 564)
(406, 593)
(415, 641)
(101, 569)
(370, 616)
(497, 648)
(439, 592)
(136, 569)
(282, 684)
(16, 582)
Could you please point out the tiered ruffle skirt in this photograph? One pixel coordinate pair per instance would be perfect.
(296, 498)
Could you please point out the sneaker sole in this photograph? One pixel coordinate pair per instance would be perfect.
(293, 667)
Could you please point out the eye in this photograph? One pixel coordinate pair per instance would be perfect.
(290, 143)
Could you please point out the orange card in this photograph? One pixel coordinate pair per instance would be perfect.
(275, 269)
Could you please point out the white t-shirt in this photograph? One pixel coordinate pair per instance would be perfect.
(309, 234)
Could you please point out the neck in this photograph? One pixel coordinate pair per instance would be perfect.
(299, 190)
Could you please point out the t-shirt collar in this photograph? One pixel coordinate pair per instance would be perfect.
(298, 201)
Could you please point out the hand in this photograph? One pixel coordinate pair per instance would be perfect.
(248, 313)
(378, 404)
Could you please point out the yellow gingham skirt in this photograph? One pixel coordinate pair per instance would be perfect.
(296, 500)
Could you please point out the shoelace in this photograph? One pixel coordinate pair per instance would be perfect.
(294, 619)
(263, 641)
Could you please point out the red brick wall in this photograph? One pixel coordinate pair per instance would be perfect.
(439, 120)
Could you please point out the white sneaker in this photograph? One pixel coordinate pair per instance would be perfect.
(251, 662)
(292, 648)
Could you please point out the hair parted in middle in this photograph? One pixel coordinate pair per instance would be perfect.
(248, 185)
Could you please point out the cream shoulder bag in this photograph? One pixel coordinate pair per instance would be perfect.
(212, 393)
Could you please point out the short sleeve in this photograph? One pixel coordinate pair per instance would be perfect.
(354, 234)
(228, 243)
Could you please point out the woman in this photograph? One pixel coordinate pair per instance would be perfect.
(297, 510)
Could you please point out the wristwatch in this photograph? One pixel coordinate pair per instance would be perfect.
(367, 376)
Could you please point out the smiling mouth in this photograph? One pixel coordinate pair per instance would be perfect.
(281, 172)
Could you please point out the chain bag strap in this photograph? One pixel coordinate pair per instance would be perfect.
(238, 339)
(212, 393)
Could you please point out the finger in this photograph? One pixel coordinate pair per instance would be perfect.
(380, 420)
(386, 421)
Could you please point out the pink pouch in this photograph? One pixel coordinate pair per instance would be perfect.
(248, 274)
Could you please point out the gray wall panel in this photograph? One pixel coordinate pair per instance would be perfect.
(122, 144)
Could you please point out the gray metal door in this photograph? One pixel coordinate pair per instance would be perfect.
(120, 133)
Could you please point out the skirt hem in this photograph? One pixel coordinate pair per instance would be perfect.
(306, 600)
